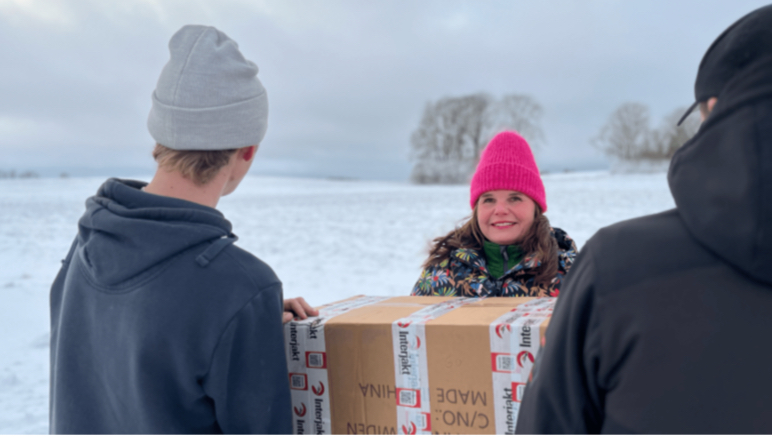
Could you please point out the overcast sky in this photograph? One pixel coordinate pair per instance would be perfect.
(347, 80)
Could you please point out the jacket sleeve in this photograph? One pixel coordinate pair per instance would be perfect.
(247, 379)
(423, 286)
(564, 396)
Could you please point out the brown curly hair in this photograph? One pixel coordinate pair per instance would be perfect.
(538, 242)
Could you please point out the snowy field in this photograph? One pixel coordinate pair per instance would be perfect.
(327, 240)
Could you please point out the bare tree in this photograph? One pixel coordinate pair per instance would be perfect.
(627, 136)
(669, 137)
(453, 132)
(520, 113)
(626, 133)
(443, 145)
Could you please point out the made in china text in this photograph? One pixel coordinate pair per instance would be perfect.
(363, 428)
(378, 391)
(464, 397)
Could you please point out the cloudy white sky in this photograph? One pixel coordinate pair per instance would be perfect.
(347, 80)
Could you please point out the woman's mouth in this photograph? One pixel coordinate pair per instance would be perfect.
(503, 224)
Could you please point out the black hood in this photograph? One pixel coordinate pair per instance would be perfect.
(721, 179)
(126, 233)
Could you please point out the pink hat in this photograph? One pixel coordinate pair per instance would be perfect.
(507, 164)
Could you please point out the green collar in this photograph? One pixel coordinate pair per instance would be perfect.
(501, 258)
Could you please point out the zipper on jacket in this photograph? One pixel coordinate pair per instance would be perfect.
(505, 255)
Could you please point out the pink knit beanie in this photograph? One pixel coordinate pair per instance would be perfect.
(507, 164)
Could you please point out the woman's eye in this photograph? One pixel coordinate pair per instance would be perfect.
(515, 199)
(488, 200)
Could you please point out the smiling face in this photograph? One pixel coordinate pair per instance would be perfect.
(505, 216)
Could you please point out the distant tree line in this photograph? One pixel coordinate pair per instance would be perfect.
(11, 174)
(628, 135)
(454, 130)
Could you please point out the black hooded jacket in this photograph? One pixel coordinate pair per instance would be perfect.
(663, 324)
(159, 324)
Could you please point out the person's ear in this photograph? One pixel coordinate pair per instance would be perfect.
(247, 153)
(711, 103)
(706, 107)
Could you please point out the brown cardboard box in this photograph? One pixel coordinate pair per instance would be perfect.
(413, 365)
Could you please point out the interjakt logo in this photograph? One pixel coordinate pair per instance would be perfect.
(312, 330)
(522, 356)
(294, 342)
(300, 424)
(318, 391)
(409, 430)
(318, 423)
(500, 328)
(508, 411)
(525, 336)
(405, 366)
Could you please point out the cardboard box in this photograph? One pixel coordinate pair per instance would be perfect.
(413, 365)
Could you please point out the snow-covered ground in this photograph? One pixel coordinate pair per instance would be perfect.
(326, 240)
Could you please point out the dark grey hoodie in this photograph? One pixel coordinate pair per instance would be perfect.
(664, 322)
(159, 324)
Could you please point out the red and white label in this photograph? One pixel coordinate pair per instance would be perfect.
(411, 370)
(518, 389)
(298, 381)
(306, 354)
(316, 360)
(408, 397)
(503, 363)
(515, 343)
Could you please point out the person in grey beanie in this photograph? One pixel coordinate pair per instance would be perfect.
(159, 322)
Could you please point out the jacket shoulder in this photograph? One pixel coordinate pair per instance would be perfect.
(248, 267)
(644, 248)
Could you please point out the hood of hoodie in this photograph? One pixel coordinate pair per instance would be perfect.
(721, 179)
(126, 233)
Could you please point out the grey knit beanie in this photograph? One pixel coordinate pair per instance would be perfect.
(208, 96)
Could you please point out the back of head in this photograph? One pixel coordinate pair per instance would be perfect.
(721, 179)
(208, 96)
(740, 45)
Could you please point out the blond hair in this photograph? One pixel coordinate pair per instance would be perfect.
(200, 166)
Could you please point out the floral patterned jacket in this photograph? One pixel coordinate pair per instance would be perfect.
(465, 273)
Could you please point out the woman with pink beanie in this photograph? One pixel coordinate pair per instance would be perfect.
(507, 247)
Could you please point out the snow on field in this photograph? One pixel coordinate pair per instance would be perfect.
(326, 240)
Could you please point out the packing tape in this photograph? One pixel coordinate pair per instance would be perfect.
(411, 371)
(515, 342)
(307, 363)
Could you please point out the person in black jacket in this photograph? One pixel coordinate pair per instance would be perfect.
(159, 323)
(663, 323)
